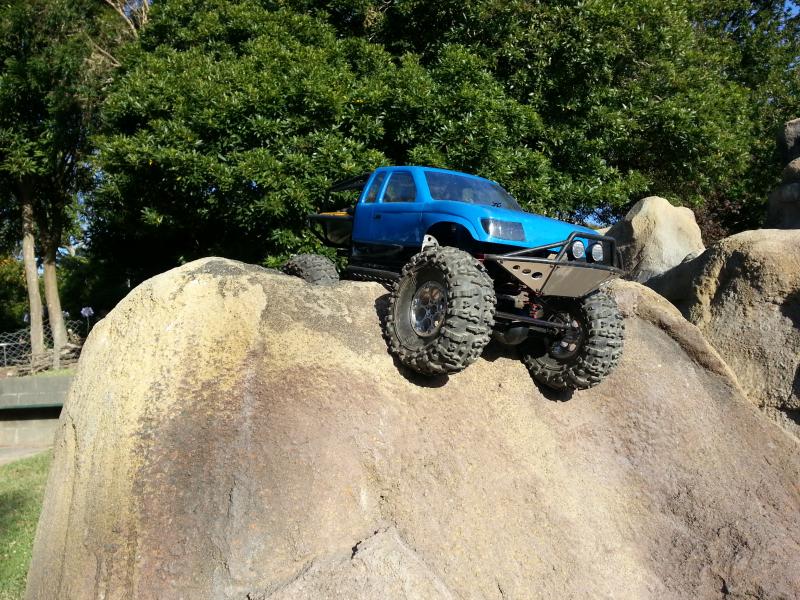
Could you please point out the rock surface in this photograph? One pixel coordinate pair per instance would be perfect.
(237, 434)
(676, 284)
(783, 207)
(791, 172)
(789, 140)
(745, 298)
(655, 236)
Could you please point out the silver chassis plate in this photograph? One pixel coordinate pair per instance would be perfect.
(550, 278)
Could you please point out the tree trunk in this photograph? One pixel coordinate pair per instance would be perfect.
(31, 274)
(54, 314)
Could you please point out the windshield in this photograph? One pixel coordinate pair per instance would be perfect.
(449, 186)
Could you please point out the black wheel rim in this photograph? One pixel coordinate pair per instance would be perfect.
(567, 345)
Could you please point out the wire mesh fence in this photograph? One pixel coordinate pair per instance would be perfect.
(16, 356)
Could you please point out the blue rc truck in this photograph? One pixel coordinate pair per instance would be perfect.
(466, 264)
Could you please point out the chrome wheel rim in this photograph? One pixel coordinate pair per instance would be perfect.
(428, 309)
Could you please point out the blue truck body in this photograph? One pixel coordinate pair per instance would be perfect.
(378, 221)
(400, 210)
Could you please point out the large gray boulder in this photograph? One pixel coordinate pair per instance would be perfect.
(745, 297)
(656, 236)
(791, 172)
(789, 140)
(783, 204)
(783, 207)
(232, 433)
(676, 284)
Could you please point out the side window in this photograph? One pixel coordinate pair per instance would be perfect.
(401, 188)
(372, 193)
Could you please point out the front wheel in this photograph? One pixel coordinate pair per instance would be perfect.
(441, 311)
(584, 354)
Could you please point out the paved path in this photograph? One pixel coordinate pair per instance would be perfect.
(8, 454)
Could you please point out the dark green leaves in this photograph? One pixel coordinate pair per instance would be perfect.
(229, 120)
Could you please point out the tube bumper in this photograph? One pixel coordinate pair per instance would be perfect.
(559, 276)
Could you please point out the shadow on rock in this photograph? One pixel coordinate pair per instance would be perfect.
(418, 379)
(790, 307)
(496, 350)
(382, 309)
(554, 395)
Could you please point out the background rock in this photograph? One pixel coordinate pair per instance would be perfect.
(789, 140)
(676, 284)
(745, 297)
(744, 293)
(746, 300)
(655, 236)
(791, 173)
(237, 434)
(783, 207)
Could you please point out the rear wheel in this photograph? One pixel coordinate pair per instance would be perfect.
(583, 355)
(441, 311)
(313, 268)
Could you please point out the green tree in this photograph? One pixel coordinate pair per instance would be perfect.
(50, 51)
(13, 295)
(764, 38)
(229, 118)
(635, 96)
(225, 126)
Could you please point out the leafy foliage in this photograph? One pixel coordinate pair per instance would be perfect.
(13, 297)
(46, 49)
(229, 118)
(53, 71)
(223, 139)
(90, 281)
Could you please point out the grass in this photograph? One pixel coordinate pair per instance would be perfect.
(47, 373)
(54, 372)
(21, 490)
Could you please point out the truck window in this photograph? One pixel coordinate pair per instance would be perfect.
(450, 186)
(372, 193)
(401, 188)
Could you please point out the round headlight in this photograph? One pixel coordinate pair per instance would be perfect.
(597, 252)
(577, 249)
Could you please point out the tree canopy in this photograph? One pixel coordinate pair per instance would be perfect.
(53, 62)
(46, 49)
(226, 120)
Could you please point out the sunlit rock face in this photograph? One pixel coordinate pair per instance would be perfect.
(656, 236)
(233, 433)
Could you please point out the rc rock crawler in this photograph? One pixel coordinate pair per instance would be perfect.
(466, 264)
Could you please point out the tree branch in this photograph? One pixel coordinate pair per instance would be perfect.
(144, 10)
(125, 17)
(114, 62)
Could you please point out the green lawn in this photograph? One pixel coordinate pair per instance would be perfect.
(55, 372)
(21, 490)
